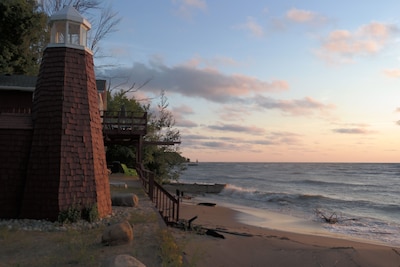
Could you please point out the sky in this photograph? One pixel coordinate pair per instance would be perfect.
(266, 81)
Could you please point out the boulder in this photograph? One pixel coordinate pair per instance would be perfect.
(125, 200)
(117, 234)
(123, 260)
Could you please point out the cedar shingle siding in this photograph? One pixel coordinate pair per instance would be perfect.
(66, 164)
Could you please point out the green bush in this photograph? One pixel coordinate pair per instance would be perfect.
(90, 213)
(75, 213)
(70, 215)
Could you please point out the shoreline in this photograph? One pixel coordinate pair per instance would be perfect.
(277, 247)
(275, 220)
(282, 222)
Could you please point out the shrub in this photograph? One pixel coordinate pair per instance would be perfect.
(90, 213)
(70, 215)
(75, 213)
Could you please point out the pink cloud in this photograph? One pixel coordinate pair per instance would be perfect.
(392, 73)
(344, 45)
(183, 109)
(237, 128)
(190, 81)
(187, 7)
(299, 15)
(288, 138)
(180, 122)
(296, 107)
(253, 27)
(234, 112)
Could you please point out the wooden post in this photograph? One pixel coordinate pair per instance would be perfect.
(151, 186)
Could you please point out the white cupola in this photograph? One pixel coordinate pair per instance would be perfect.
(69, 29)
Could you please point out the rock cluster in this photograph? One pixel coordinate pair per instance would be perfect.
(119, 214)
(117, 234)
(122, 260)
(125, 200)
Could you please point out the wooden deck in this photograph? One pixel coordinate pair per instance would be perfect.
(123, 127)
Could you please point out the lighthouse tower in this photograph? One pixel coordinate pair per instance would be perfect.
(67, 165)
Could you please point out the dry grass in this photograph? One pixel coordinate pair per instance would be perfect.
(83, 247)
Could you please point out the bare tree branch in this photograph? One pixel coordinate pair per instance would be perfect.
(83, 6)
(106, 24)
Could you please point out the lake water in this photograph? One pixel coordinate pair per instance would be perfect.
(365, 198)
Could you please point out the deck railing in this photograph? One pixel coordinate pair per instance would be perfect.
(14, 110)
(124, 123)
(166, 204)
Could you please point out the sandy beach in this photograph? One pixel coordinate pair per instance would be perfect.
(251, 245)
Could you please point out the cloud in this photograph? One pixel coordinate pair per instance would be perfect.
(253, 27)
(305, 106)
(343, 45)
(303, 16)
(179, 113)
(236, 144)
(206, 83)
(361, 131)
(185, 123)
(237, 128)
(288, 138)
(234, 112)
(296, 16)
(185, 109)
(215, 144)
(185, 8)
(217, 61)
(392, 73)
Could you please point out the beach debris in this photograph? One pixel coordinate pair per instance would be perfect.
(187, 225)
(190, 221)
(232, 233)
(332, 218)
(395, 251)
(214, 233)
(208, 204)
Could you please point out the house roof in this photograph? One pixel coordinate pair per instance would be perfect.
(28, 83)
(17, 82)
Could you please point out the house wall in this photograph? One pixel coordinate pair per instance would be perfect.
(15, 101)
(15, 144)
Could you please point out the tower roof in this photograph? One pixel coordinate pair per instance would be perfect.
(71, 14)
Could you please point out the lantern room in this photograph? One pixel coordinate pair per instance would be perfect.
(69, 28)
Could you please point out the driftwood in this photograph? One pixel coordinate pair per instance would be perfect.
(332, 218)
(208, 204)
(187, 225)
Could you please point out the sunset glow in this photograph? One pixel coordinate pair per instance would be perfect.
(270, 81)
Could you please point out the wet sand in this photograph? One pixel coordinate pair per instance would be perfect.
(269, 245)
